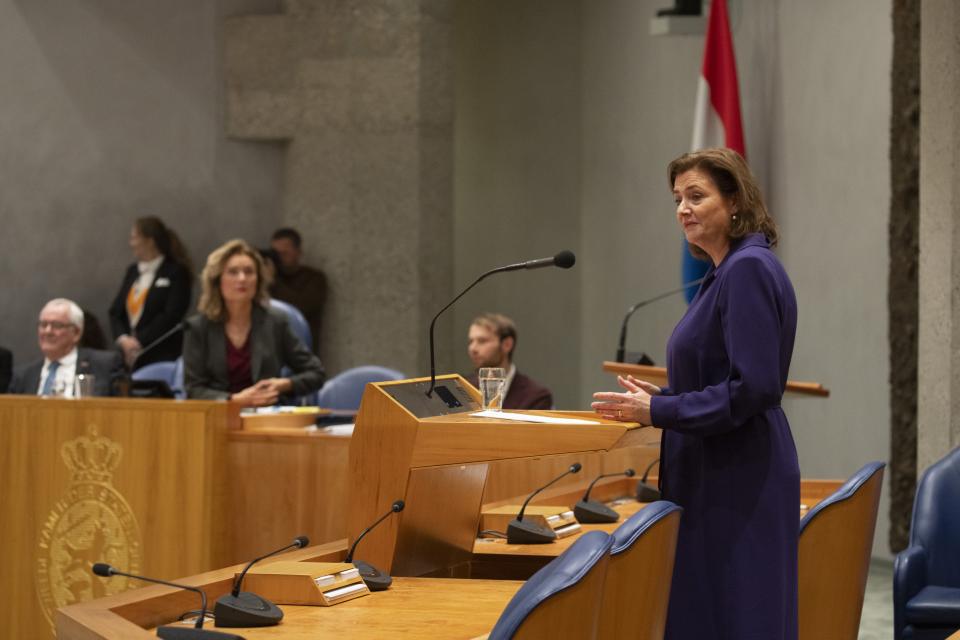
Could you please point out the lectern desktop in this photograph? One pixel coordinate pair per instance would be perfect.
(430, 452)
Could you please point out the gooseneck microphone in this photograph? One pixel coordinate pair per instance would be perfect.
(375, 579)
(626, 319)
(520, 531)
(565, 259)
(646, 493)
(150, 347)
(589, 511)
(104, 570)
(245, 609)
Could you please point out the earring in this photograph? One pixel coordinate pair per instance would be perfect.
(734, 217)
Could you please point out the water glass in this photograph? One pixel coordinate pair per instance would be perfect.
(84, 385)
(493, 380)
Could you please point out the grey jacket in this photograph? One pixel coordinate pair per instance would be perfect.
(273, 345)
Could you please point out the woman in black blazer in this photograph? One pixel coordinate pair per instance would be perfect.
(237, 345)
(154, 296)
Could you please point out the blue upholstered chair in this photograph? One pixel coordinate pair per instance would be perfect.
(561, 600)
(165, 372)
(836, 538)
(344, 390)
(926, 575)
(637, 588)
(297, 322)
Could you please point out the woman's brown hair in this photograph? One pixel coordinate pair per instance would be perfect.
(167, 241)
(211, 299)
(729, 171)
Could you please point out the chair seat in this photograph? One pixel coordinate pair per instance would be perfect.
(934, 606)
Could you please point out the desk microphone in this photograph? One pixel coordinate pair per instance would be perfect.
(245, 609)
(150, 347)
(565, 259)
(520, 531)
(623, 328)
(646, 493)
(375, 579)
(589, 511)
(197, 632)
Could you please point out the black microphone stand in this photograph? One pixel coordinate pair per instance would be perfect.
(520, 531)
(589, 511)
(375, 579)
(246, 609)
(197, 632)
(646, 493)
(564, 260)
(623, 328)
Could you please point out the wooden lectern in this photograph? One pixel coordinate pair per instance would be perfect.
(431, 453)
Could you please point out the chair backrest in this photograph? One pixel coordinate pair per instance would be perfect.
(836, 538)
(637, 589)
(935, 524)
(344, 390)
(157, 371)
(561, 600)
(297, 322)
(178, 389)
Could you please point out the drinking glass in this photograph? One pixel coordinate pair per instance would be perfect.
(492, 383)
(84, 385)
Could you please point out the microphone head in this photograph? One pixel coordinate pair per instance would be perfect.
(398, 506)
(629, 473)
(565, 259)
(102, 569)
(301, 541)
(575, 467)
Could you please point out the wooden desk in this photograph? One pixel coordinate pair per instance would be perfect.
(138, 483)
(494, 558)
(412, 607)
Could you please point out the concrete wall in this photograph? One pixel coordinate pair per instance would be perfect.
(816, 99)
(112, 110)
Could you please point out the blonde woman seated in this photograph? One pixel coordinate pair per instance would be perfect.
(236, 346)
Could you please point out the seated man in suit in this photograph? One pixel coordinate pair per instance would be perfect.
(492, 339)
(58, 332)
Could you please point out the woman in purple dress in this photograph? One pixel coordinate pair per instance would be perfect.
(727, 454)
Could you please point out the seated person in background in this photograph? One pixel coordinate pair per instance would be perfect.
(492, 339)
(235, 347)
(154, 295)
(58, 332)
(302, 286)
(6, 369)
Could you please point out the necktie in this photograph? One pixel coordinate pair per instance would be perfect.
(51, 377)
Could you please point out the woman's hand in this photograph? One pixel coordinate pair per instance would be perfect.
(260, 394)
(632, 406)
(131, 348)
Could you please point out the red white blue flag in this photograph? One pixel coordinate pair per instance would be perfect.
(716, 119)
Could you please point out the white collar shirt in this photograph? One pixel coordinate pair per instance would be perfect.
(66, 374)
(148, 271)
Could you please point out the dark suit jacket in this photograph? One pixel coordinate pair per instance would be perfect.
(524, 393)
(167, 302)
(104, 365)
(6, 369)
(273, 345)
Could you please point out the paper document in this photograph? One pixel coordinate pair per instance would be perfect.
(528, 417)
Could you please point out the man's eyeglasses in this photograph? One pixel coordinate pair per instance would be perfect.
(56, 326)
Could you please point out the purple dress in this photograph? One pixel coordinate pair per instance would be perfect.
(727, 454)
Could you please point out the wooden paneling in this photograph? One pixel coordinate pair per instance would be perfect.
(285, 483)
(135, 482)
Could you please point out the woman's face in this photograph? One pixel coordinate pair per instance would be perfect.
(239, 280)
(143, 248)
(703, 212)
